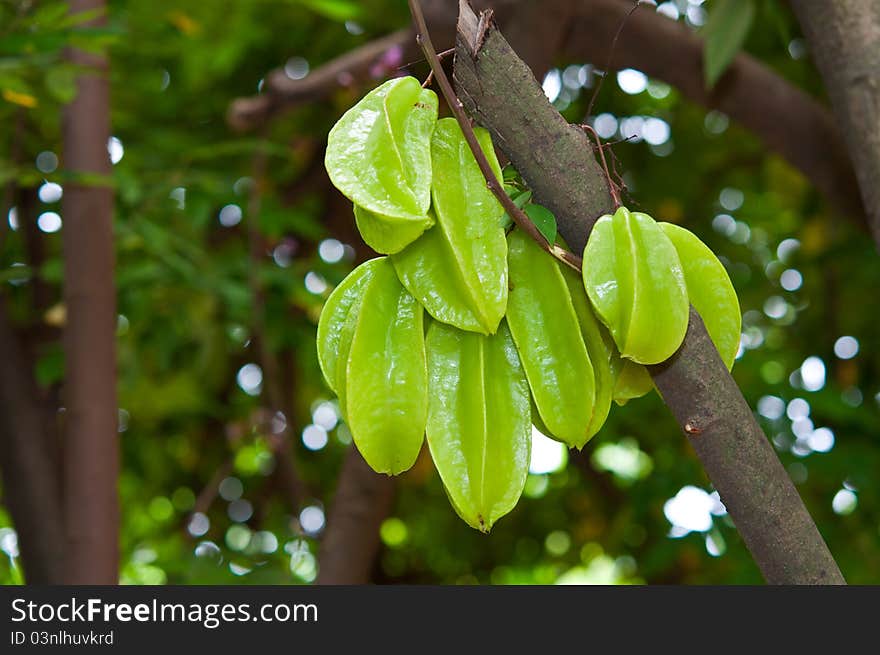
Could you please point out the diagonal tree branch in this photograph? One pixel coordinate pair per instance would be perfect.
(499, 90)
(844, 38)
(787, 120)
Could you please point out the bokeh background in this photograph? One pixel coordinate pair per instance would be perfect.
(228, 241)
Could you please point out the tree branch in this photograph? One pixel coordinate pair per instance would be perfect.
(499, 90)
(28, 465)
(363, 500)
(91, 448)
(787, 120)
(844, 40)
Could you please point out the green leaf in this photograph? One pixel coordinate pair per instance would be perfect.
(543, 219)
(725, 32)
(388, 235)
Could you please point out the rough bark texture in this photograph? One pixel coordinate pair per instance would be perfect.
(786, 119)
(540, 143)
(30, 476)
(91, 452)
(503, 96)
(844, 39)
(741, 463)
(363, 500)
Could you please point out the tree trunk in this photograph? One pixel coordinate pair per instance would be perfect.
(30, 475)
(844, 38)
(498, 89)
(363, 500)
(91, 508)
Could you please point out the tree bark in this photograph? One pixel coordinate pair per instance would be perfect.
(844, 39)
(28, 465)
(363, 500)
(91, 509)
(499, 91)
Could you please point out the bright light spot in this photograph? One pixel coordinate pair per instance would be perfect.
(731, 199)
(238, 537)
(238, 569)
(798, 408)
(846, 347)
(331, 250)
(9, 542)
(771, 407)
(315, 283)
(605, 125)
(284, 252)
(742, 233)
(231, 489)
(658, 90)
(791, 279)
(209, 550)
(786, 248)
(240, 510)
(844, 502)
(557, 543)
(725, 224)
(166, 80)
(49, 222)
(821, 441)
(797, 49)
(114, 147)
(230, 215)
(267, 540)
(312, 520)
(199, 524)
(393, 532)
(813, 373)
(548, 456)
(631, 128)
(325, 416)
(353, 28)
(718, 508)
(314, 437)
(571, 77)
(716, 122)
(279, 423)
(668, 9)
(552, 84)
(50, 192)
(696, 16)
(690, 510)
(296, 68)
(47, 161)
(655, 131)
(632, 81)
(624, 459)
(12, 218)
(250, 379)
(802, 428)
(178, 195)
(775, 307)
(302, 563)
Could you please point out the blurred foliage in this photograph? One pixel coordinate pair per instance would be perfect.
(196, 431)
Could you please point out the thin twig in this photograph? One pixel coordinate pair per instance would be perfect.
(612, 187)
(519, 216)
(610, 57)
